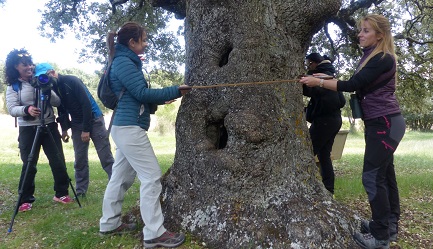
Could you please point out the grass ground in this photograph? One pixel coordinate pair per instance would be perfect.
(52, 225)
(414, 170)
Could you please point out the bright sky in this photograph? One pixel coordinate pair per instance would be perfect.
(19, 20)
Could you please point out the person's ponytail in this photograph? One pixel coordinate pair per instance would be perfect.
(110, 45)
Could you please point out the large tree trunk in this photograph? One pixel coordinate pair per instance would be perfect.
(244, 174)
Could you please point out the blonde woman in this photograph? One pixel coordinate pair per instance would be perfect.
(374, 82)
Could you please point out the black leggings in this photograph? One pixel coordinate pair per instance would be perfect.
(26, 138)
(323, 131)
(382, 136)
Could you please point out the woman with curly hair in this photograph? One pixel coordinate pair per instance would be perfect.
(23, 103)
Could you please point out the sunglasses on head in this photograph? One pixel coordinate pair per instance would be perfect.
(23, 55)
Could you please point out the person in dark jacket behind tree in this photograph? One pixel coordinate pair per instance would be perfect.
(375, 82)
(323, 112)
(87, 122)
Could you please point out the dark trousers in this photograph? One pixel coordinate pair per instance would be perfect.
(322, 132)
(101, 141)
(382, 136)
(26, 138)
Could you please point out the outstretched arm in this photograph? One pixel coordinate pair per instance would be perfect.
(311, 81)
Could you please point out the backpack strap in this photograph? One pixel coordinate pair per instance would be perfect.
(120, 96)
(16, 86)
(115, 109)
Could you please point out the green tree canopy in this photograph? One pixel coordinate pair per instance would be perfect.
(412, 28)
(336, 36)
(92, 20)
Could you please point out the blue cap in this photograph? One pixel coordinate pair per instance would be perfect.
(42, 68)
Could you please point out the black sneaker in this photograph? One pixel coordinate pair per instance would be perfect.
(365, 228)
(367, 241)
(122, 229)
(167, 239)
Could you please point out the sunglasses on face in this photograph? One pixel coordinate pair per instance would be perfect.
(26, 64)
(23, 55)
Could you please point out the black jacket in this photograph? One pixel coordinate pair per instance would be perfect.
(75, 102)
(323, 102)
(325, 67)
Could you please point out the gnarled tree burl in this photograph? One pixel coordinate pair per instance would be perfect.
(244, 174)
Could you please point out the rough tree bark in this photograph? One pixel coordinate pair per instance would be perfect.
(244, 174)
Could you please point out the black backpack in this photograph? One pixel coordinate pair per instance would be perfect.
(108, 98)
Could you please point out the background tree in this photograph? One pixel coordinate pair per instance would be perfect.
(162, 78)
(415, 82)
(412, 27)
(2, 89)
(91, 20)
(338, 38)
(2, 77)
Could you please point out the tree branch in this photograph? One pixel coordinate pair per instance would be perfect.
(114, 3)
(178, 7)
(411, 40)
(345, 21)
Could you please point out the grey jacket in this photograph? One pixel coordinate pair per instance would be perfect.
(16, 103)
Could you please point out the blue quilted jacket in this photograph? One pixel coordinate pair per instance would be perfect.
(133, 107)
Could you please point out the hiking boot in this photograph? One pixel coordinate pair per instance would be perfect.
(25, 207)
(64, 199)
(367, 241)
(167, 239)
(365, 228)
(122, 229)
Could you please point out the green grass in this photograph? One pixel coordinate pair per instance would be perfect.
(52, 225)
(414, 169)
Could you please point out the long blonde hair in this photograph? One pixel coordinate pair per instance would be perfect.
(381, 25)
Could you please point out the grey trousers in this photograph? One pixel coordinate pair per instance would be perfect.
(100, 138)
(134, 157)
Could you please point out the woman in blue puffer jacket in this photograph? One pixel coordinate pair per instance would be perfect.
(134, 153)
